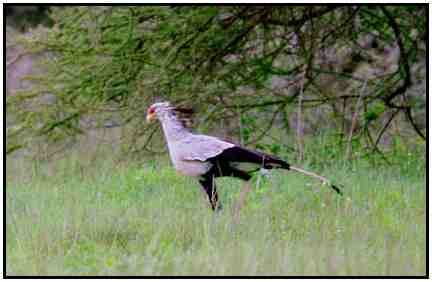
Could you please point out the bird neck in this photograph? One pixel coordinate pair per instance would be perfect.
(173, 128)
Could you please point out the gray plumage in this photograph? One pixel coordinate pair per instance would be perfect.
(189, 152)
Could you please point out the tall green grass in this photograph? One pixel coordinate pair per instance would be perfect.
(96, 217)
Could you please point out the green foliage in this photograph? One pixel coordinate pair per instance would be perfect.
(374, 112)
(110, 63)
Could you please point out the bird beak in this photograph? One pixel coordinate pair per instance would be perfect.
(150, 117)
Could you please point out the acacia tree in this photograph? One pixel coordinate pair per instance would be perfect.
(247, 69)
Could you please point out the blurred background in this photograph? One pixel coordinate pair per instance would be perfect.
(269, 77)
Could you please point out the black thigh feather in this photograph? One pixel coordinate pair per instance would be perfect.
(223, 165)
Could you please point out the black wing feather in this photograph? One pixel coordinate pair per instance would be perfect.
(240, 154)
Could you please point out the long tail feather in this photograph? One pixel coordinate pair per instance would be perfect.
(321, 178)
(239, 154)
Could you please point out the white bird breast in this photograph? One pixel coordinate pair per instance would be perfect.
(192, 168)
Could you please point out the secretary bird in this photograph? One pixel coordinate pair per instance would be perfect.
(208, 157)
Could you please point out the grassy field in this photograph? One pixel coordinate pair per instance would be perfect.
(97, 218)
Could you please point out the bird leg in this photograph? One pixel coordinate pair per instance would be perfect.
(209, 187)
(214, 200)
(243, 194)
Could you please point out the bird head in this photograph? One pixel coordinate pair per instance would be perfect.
(156, 109)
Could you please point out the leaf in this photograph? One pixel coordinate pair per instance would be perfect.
(374, 112)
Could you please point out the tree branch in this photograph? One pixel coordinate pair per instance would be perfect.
(384, 128)
(304, 18)
(403, 60)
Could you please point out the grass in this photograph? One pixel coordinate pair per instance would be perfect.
(96, 218)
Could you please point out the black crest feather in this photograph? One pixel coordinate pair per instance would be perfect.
(185, 116)
(186, 111)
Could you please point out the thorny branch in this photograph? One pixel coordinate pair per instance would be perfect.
(403, 62)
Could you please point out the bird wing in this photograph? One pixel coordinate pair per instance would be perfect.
(201, 147)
